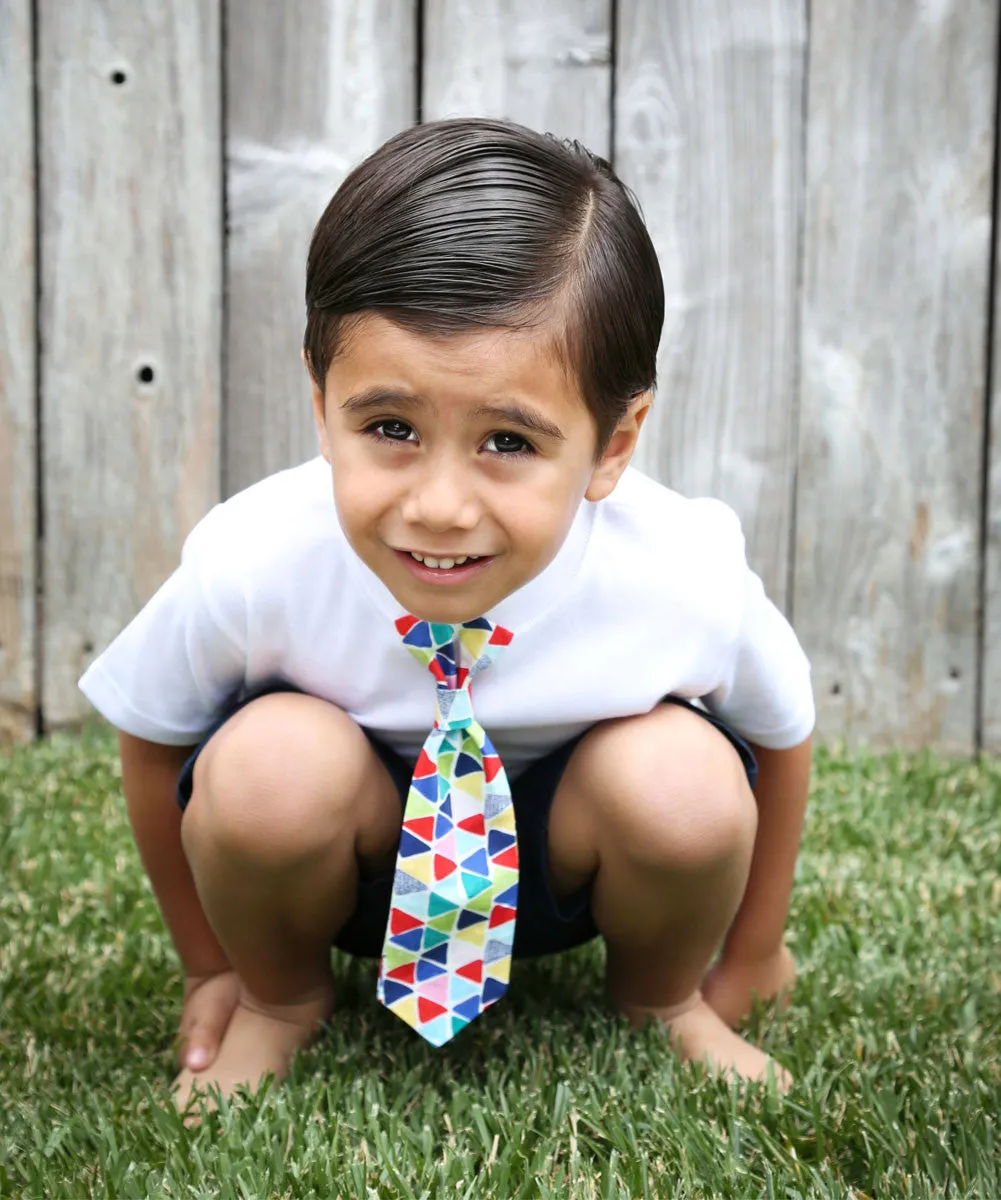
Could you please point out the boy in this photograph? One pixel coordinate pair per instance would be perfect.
(484, 308)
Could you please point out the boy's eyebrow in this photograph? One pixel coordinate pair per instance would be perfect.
(511, 414)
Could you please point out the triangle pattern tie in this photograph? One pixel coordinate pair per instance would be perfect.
(447, 951)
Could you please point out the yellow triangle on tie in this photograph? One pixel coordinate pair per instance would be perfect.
(418, 805)
(473, 933)
(504, 820)
(500, 970)
(473, 641)
(406, 1009)
(471, 784)
(418, 865)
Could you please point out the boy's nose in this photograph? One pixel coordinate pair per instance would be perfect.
(442, 500)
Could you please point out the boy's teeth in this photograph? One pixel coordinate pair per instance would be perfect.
(444, 564)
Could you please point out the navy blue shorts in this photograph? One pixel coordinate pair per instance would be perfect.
(545, 924)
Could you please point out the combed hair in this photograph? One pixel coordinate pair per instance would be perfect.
(463, 224)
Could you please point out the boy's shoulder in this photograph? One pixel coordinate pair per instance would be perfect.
(284, 514)
(657, 518)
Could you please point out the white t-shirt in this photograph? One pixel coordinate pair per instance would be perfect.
(649, 595)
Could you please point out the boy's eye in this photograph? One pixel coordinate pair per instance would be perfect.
(507, 443)
(395, 431)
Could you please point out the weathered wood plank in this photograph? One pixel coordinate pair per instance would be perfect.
(131, 235)
(17, 377)
(894, 330)
(547, 66)
(709, 130)
(312, 88)
(991, 665)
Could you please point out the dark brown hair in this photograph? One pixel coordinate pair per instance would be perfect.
(469, 223)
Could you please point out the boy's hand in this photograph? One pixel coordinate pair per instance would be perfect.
(732, 983)
(209, 1001)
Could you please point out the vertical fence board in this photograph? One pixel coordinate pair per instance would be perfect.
(311, 90)
(990, 672)
(544, 65)
(709, 135)
(131, 282)
(17, 377)
(894, 330)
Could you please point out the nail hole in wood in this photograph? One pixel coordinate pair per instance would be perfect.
(118, 76)
(835, 689)
(954, 672)
(88, 647)
(145, 374)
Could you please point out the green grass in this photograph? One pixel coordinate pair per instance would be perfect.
(893, 1033)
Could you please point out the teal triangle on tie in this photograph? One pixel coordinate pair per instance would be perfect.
(425, 973)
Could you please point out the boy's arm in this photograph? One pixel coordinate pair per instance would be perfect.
(754, 958)
(149, 780)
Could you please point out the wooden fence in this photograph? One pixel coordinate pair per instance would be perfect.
(819, 182)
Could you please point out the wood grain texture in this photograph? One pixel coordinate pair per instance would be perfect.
(709, 130)
(313, 86)
(990, 673)
(547, 66)
(131, 263)
(17, 377)
(894, 329)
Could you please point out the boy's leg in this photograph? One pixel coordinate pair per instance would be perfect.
(657, 811)
(289, 799)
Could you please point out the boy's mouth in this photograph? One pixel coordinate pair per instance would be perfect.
(443, 570)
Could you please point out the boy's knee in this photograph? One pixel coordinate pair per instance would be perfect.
(279, 781)
(670, 792)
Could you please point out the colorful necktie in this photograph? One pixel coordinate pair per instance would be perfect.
(447, 953)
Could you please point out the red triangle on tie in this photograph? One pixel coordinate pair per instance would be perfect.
(442, 866)
(501, 636)
(405, 624)
(508, 859)
(500, 914)
(461, 675)
(474, 824)
(424, 766)
(491, 765)
(404, 974)
(473, 971)
(423, 827)
(400, 922)
(427, 1010)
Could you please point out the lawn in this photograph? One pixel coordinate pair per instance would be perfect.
(893, 1033)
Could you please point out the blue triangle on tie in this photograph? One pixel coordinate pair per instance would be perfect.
(411, 845)
(477, 623)
(467, 917)
(411, 940)
(427, 969)
(446, 658)
(493, 989)
(468, 1008)
(477, 863)
(442, 826)
(420, 635)
(474, 884)
(498, 840)
(510, 897)
(427, 786)
(446, 804)
(438, 954)
(465, 764)
(393, 991)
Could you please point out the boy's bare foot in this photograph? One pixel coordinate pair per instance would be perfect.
(699, 1034)
(260, 1039)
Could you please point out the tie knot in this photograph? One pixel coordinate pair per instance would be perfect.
(453, 654)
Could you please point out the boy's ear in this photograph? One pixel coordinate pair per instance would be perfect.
(620, 448)
(319, 414)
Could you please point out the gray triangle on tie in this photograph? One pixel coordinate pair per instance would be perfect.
(446, 698)
(495, 802)
(404, 883)
(495, 950)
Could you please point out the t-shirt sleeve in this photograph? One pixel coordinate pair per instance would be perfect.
(764, 689)
(170, 670)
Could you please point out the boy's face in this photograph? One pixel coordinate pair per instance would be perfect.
(474, 447)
